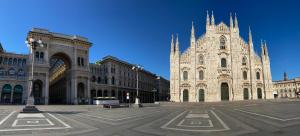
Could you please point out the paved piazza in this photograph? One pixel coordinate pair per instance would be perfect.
(251, 118)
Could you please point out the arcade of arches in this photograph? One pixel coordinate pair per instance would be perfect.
(11, 94)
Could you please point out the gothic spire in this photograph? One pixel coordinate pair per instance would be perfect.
(231, 21)
(250, 36)
(212, 18)
(266, 49)
(192, 31)
(172, 44)
(262, 48)
(207, 19)
(177, 44)
(236, 24)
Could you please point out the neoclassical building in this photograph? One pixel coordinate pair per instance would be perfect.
(219, 65)
(114, 77)
(13, 76)
(61, 68)
(286, 88)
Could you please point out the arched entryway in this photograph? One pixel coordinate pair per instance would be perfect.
(246, 94)
(59, 83)
(38, 91)
(224, 92)
(259, 93)
(185, 96)
(17, 95)
(6, 93)
(80, 93)
(201, 95)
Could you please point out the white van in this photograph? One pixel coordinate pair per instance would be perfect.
(110, 101)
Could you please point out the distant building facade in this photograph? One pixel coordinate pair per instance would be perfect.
(219, 65)
(163, 89)
(112, 77)
(286, 88)
(13, 77)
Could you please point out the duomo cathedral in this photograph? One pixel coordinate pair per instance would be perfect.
(219, 66)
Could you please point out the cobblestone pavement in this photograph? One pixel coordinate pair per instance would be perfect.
(250, 118)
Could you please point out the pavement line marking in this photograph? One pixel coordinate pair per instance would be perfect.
(50, 122)
(4, 130)
(193, 130)
(15, 123)
(262, 115)
(168, 123)
(119, 119)
(220, 120)
(33, 115)
(296, 118)
(271, 117)
(3, 120)
(65, 124)
(181, 124)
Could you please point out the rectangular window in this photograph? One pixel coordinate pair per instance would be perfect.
(78, 61)
(82, 62)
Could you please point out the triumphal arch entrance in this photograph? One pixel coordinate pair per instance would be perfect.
(61, 68)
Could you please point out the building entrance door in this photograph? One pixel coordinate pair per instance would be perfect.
(259, 93)
(185, 95)
(246, 94)
(224, 92)
(201, 95)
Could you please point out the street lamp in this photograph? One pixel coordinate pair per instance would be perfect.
(30, 107)
(137, 99)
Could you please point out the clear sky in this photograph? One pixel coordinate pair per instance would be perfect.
(139, 31)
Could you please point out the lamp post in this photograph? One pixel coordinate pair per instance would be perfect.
(30, 107)
(137, 99)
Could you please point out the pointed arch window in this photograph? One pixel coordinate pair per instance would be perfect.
(257, 75)
(245, 75)
(201, 60)
(222, 43)
(185, 75)
(244, 61)
(201, 75)
(223, 63)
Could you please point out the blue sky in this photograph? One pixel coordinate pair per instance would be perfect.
(139, 31)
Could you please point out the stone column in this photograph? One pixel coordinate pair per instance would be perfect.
(47, 89)
(12, 94)
(89, 91)
(74, 90)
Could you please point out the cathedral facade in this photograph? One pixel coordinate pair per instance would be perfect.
(219, 65)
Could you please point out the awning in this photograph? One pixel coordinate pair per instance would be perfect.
(274, 92)
(6, 88)
(18, 89)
